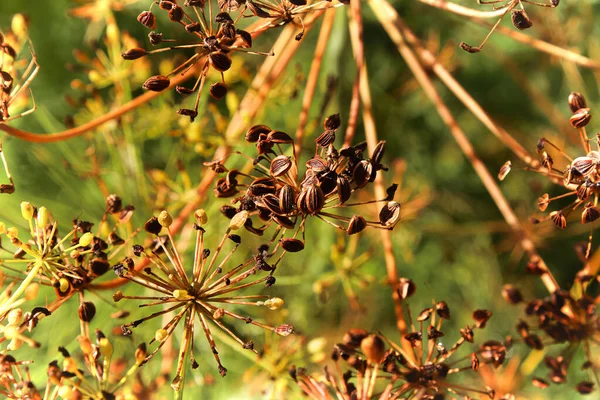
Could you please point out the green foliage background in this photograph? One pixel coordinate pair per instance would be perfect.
(456, 249)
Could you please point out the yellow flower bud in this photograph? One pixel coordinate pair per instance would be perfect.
(67, 393)
(165, 219)
(86, 239)
(10, 332)
(19, 25)
(14, 344)
(15, 316)
(63, 285)
(2, 228)
(86, 345)
(238, 220)
(160, 335)
(181, 294)
(31, 291)
(12, 233)
(274, 303)
(106, 347)
(201, 217)
(26, 210)
(42, 217)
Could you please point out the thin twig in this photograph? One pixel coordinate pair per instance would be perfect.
(464, 11)
(392, 24)
(313, 77)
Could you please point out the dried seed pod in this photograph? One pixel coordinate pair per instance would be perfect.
(134, 54)
(539, 383)
(354, 337)
(543, 202)
(576, 101)
(504, 170)
(317, 164)
(332, 122)
(362, 173)
(559, 219)
(390, 214)
(511, 294)
(87, 311)
(580, 118)
(343, 189)
(442, 310)
(114, 204)
(218, 90)
(284, 222)
(153, 226)
(521, 20)
(584, 166)
(292, 245)
(245, 37)
(156, 83)
(425, 314)
(357, 224)
(148, 19)
(187, 112)
(546, 160)
(475, 362)
(220, 61)
(193, 28)
(271, 202)
(585, 387)
(254, 133)
(284, 330)
(279, 137)
(176, 13)
(373, 347)
(590, 213)
(287, 195)
(315, 199)
(433, 333)
(326, 138)
(481, 317)
(280, 165)
(378, 152)
(406, 288)
(99, 267)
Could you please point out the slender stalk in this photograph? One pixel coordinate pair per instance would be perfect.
(391, 22)
(356, 30)
(313, 77)
(461, 10)
(88, 126)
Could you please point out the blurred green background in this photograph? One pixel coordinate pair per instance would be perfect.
(453, 242)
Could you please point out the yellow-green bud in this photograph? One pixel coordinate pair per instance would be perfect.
(63, 285)
(26, 210)
(106, 347)
(10, 332)
(238, 220)
(15, 316)
(274, 303)
(201, 217)
(12, 233)
(165, 219)
(160, 335)
(42, 217)
(86, 239)
(67, 393)
(31, 291)
(181, 294)
(2, 228)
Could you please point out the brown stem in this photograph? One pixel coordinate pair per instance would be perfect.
(464, 11)
(356, 30)
(543, 46)
(313, 77)
(80, 130)
(393, 25)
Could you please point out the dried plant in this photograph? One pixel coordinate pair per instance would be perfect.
(199, 294)
(569, 318)
(417, 368)
(276, 194)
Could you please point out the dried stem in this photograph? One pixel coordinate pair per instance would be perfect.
(80, 130)
(464, 11)
(392, 24)
(313, 77)
(356, 30)
(543, 46)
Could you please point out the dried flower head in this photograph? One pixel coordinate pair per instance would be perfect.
(101, 379)
(199, 291)
(417, 369)
(15, 77)
(213, 37)
(566, 317)
(519, 17)
(68, 263)
(275, 193)
(580, 176)
(15, 379)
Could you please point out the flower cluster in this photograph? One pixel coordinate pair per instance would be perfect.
(198, 292)
(418, 368)
(276, 194)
